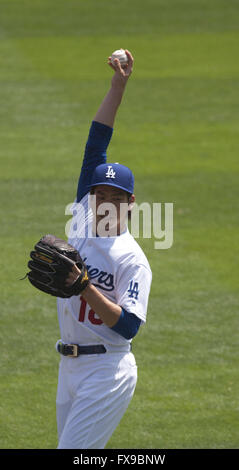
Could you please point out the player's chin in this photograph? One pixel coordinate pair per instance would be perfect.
(109, 228)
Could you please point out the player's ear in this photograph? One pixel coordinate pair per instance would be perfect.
(131, 201)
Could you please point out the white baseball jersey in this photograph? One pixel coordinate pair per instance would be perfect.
(117, 267)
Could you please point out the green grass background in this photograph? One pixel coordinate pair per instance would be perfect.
(177, 129)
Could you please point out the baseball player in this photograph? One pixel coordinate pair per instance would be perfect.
(97, 379)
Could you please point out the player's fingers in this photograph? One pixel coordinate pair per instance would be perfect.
(73, 275)
(130, 57)
(130, 62)
(110, 64)
(70, 279)
(76, 270)
(117, 66)
(113, 65)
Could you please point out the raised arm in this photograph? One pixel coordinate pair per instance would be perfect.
(102, 125)
(108, 108)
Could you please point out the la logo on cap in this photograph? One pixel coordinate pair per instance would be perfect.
(110, 172)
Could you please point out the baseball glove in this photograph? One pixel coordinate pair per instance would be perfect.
(50, 264)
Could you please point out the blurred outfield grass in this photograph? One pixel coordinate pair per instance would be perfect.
(177, 129)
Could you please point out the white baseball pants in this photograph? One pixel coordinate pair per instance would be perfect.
(92, 396)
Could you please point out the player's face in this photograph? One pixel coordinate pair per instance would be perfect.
(112, 203)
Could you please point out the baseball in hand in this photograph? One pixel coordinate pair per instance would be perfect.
(121, 55)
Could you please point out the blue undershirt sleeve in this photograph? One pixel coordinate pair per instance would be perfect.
(95, 154)
(127, 325)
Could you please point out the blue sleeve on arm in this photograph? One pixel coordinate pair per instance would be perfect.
(127, 325)
(95, 154)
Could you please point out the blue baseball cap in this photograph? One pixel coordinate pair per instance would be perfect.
(114, 174)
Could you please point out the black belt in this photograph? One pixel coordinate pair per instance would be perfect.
(75, 350)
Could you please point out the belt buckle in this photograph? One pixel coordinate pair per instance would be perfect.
(74, 350)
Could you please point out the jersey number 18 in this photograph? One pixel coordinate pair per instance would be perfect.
(91, 314)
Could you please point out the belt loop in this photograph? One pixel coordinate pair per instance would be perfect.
(57, 343)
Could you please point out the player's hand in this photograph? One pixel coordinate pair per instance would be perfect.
(122, 74)
(73, 276)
